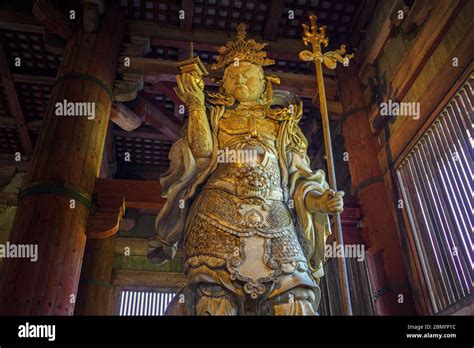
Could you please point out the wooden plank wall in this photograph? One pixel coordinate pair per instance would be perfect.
(426, 80)
(429, 87)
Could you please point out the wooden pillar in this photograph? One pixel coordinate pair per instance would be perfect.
(95, 294)
(388, 276)
(54, 204)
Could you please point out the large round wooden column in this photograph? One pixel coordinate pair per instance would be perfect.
(54, 205)
(388, 277)
(95, 295)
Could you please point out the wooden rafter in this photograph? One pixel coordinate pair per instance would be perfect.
(18, 21)
(14, 103)
(156, 115)
(52, 18)
(125, 118)
(167, 91)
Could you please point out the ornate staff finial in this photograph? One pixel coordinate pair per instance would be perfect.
(317, 37)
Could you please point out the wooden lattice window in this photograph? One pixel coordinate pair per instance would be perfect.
(359, 285)
(140, 302)
(436, 180)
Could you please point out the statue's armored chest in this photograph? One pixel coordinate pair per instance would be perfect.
(255, 122)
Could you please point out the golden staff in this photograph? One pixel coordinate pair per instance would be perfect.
(317, 37)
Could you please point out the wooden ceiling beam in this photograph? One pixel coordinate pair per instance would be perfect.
(137, 194)
(148, 279)
(139, 247)
(144, 132)
(209, 47)
(270, 30)
(188, 7)
(18, 21)
(161, 70)
(43, 80)
(14, 103)
(211, 37)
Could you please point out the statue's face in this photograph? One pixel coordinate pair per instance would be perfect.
(245, 81)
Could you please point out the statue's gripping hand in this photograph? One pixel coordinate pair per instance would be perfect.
(330, 202)
(160, 253)
(190, 89)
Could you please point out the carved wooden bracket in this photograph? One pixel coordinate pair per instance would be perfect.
(125, 118)
(106, 216)
(125, 90)
(131, 81)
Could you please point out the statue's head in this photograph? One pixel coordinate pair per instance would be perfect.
(242, 61)
(244, 81)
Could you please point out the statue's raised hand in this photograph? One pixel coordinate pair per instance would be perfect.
(190, 89)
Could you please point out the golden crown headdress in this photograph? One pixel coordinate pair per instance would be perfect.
(241, 50)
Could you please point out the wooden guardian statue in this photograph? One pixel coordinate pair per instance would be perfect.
(254, 231)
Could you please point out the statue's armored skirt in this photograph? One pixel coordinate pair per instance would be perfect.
(246, 245)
